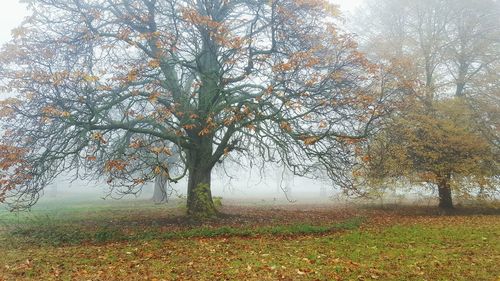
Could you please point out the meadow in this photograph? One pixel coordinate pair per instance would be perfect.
(138, 240)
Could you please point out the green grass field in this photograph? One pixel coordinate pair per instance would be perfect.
(137, 240)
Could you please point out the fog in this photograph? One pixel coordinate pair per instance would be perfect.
(248, 185)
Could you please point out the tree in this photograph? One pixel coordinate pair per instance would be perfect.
(484, 101)
(472, 39)
(443, 148)
(107, 87)
(161, 184)
(453, 50)
(453, 43)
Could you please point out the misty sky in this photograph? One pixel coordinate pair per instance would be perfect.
(12, 13)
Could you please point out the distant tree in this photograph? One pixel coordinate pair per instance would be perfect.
(441, 49)
(284, 182)
(107, 87)
(452, 44)
(161, 190)
(484, 102)
(442, 147)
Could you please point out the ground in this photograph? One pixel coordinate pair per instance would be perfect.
(140, 241)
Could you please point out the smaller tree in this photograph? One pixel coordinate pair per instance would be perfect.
(438, 145)
(161, 191)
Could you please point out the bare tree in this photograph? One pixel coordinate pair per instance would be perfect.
(451, 43)
(473, 42)
(106, 87)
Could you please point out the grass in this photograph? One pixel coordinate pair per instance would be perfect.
(47, 232)
(250, 244)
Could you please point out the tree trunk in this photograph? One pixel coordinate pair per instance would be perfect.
(160, 193)
(459, 92)
(199, 201)
(160, 189)
(444, 189)
(200, 160)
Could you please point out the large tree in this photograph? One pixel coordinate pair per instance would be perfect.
(106, 87)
